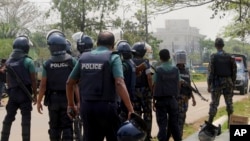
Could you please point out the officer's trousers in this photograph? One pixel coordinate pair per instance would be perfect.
(100, 119)
(167, 113)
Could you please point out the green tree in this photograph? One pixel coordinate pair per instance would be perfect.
(17, 17)
(83, 15)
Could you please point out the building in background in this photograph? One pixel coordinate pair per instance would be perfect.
(179, 35)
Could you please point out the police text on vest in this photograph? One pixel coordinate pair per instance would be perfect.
(91, 66)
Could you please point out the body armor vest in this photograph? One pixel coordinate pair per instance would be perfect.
(96, 81)
(167, 82)
(57, 74)
(222, 65)
(185, 90)
(130, 77)
(21, 71)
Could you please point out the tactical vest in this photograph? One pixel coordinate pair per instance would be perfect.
(130, 76)
(21, 71)
(57, 74)
(141, 80)
(222, 65)
(96, 81)
(167, 83)
(185, 90)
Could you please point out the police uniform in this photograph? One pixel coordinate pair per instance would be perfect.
(143, 97)
(59, 122)
(18, 99)
(185, 95)
(221, 78)
(96, 70)
(166, 89)
(129, 70)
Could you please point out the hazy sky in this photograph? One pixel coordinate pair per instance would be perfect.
(198, 17)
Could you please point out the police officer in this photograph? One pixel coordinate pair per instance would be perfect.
(68, 47)
(221, 79)
(185, 91)
(129, 70)
(84, 43)
(53, 83)
(100, 74)
(18, 99)
(166, 82)
(143, 87)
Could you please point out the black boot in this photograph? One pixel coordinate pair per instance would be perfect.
(26, 132)
(5, 132)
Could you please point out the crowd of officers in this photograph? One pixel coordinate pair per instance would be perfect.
(107, 86)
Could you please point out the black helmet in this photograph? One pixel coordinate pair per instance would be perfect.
(55, 31)
(22, 42)
(123, 46)
(208, 132)
(57, 44)
(140, 48)
(132, 130)
(85, 43)
(68, 47)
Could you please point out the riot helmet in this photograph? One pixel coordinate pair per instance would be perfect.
(133, 129)
(23, 43)
(140, 48)
(209, 131)
(57, 44)
(68, 47)
(180, 57)
(55, 31)
(84, 42)
(124, 49)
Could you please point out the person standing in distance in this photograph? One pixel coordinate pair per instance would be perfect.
(24, 67)
(100, 77)
(53, 83)
(143, 87)
(166, 84)
(221, 79)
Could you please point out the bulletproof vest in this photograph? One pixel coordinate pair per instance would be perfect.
(21, 71)
(130, 76)
(222, 65)
(167, 82)
(185, 90)
(3, 76)
(96, 81)
(57, 74)
(141, 80)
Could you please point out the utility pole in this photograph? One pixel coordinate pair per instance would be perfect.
(146, 19)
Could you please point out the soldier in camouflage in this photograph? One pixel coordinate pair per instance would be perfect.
(221, 78)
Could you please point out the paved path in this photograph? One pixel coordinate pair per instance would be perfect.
(39, 128)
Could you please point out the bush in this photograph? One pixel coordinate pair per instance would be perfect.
(198, 76)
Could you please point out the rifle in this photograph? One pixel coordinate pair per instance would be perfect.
(194, 89)
(20, 82)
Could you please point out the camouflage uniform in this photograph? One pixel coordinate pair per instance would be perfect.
(219, 84)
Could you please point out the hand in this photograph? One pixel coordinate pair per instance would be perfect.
(72, 111)
(194, 102)
(209, 89)
(39, 107)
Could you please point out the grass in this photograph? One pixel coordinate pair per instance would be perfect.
(241, 108)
